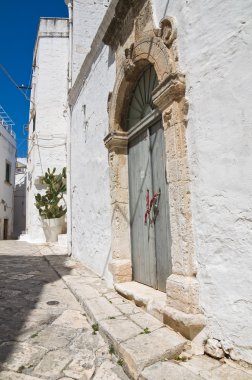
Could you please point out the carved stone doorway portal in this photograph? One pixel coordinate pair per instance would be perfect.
(164, 118)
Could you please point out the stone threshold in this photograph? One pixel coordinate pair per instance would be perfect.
(154, 302)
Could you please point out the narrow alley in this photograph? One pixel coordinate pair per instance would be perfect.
(58, 320)
(44, 332)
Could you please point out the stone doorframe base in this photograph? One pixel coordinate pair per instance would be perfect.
(158, 49)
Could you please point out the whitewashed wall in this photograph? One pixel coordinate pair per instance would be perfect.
(215, 52)
(7, 153)
(91, 216)
(87, 16)
(47, 144)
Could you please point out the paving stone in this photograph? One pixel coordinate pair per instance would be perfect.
(20, 276)
(118, 301)
(129, 308)
(146, 349)
(101, 355)
(145, 320)
(54, 337)
(73, 319)
(16, 356)
(87, 341)
(83, 365)
(209, 368)
(68, 302)
(111, 294)
(99, 308)
(119, 329)
(4, 375)
(52, 364)
(168, 370)
(80, 289)
(200, 363)
(110, 371)
(225, 372)
(38, 316)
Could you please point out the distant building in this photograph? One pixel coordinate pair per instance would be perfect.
(48, 114)
(7, 174)
(20, 198)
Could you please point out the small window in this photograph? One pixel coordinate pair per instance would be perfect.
(7, 172)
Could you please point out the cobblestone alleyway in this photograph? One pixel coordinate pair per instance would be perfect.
(44, 332)
(59, 321)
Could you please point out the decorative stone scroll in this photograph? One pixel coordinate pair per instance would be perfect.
(168, 31)
(128, 64)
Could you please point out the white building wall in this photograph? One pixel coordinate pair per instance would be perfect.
(7, 153)
(91, 214)
(215, 53)
(47, 144)
(87, 16)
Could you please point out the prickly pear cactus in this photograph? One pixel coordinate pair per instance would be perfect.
(51, 204)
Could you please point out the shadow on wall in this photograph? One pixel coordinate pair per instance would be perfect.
(19, 223)
(166, 7)
(22, 279)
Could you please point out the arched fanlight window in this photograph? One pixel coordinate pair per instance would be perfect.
(141, 102)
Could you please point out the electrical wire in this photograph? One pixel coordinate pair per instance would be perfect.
(15, 84)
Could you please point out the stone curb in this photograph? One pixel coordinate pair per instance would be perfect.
(137, 338)
(145, 347)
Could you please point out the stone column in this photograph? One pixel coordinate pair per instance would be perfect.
(120, 266)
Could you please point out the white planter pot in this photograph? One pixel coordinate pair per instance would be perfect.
(52, 228)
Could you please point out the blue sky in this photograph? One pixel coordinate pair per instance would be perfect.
(18, 29)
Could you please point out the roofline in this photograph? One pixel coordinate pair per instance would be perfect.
(53, 18)
(37, 35)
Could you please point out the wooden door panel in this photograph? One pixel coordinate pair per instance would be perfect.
(142, 236)
(162, 223)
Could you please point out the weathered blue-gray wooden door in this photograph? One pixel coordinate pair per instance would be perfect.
(150, 241)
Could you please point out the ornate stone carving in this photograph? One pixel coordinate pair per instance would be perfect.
(128, 63)
(167, 31)
(167, 117)
(116, 141)
(170, 89)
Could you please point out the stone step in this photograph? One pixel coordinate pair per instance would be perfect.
(137, 338)
(145, 347)
(155, 303)
(133, 341)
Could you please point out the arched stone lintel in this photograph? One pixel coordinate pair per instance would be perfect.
(149, 50)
